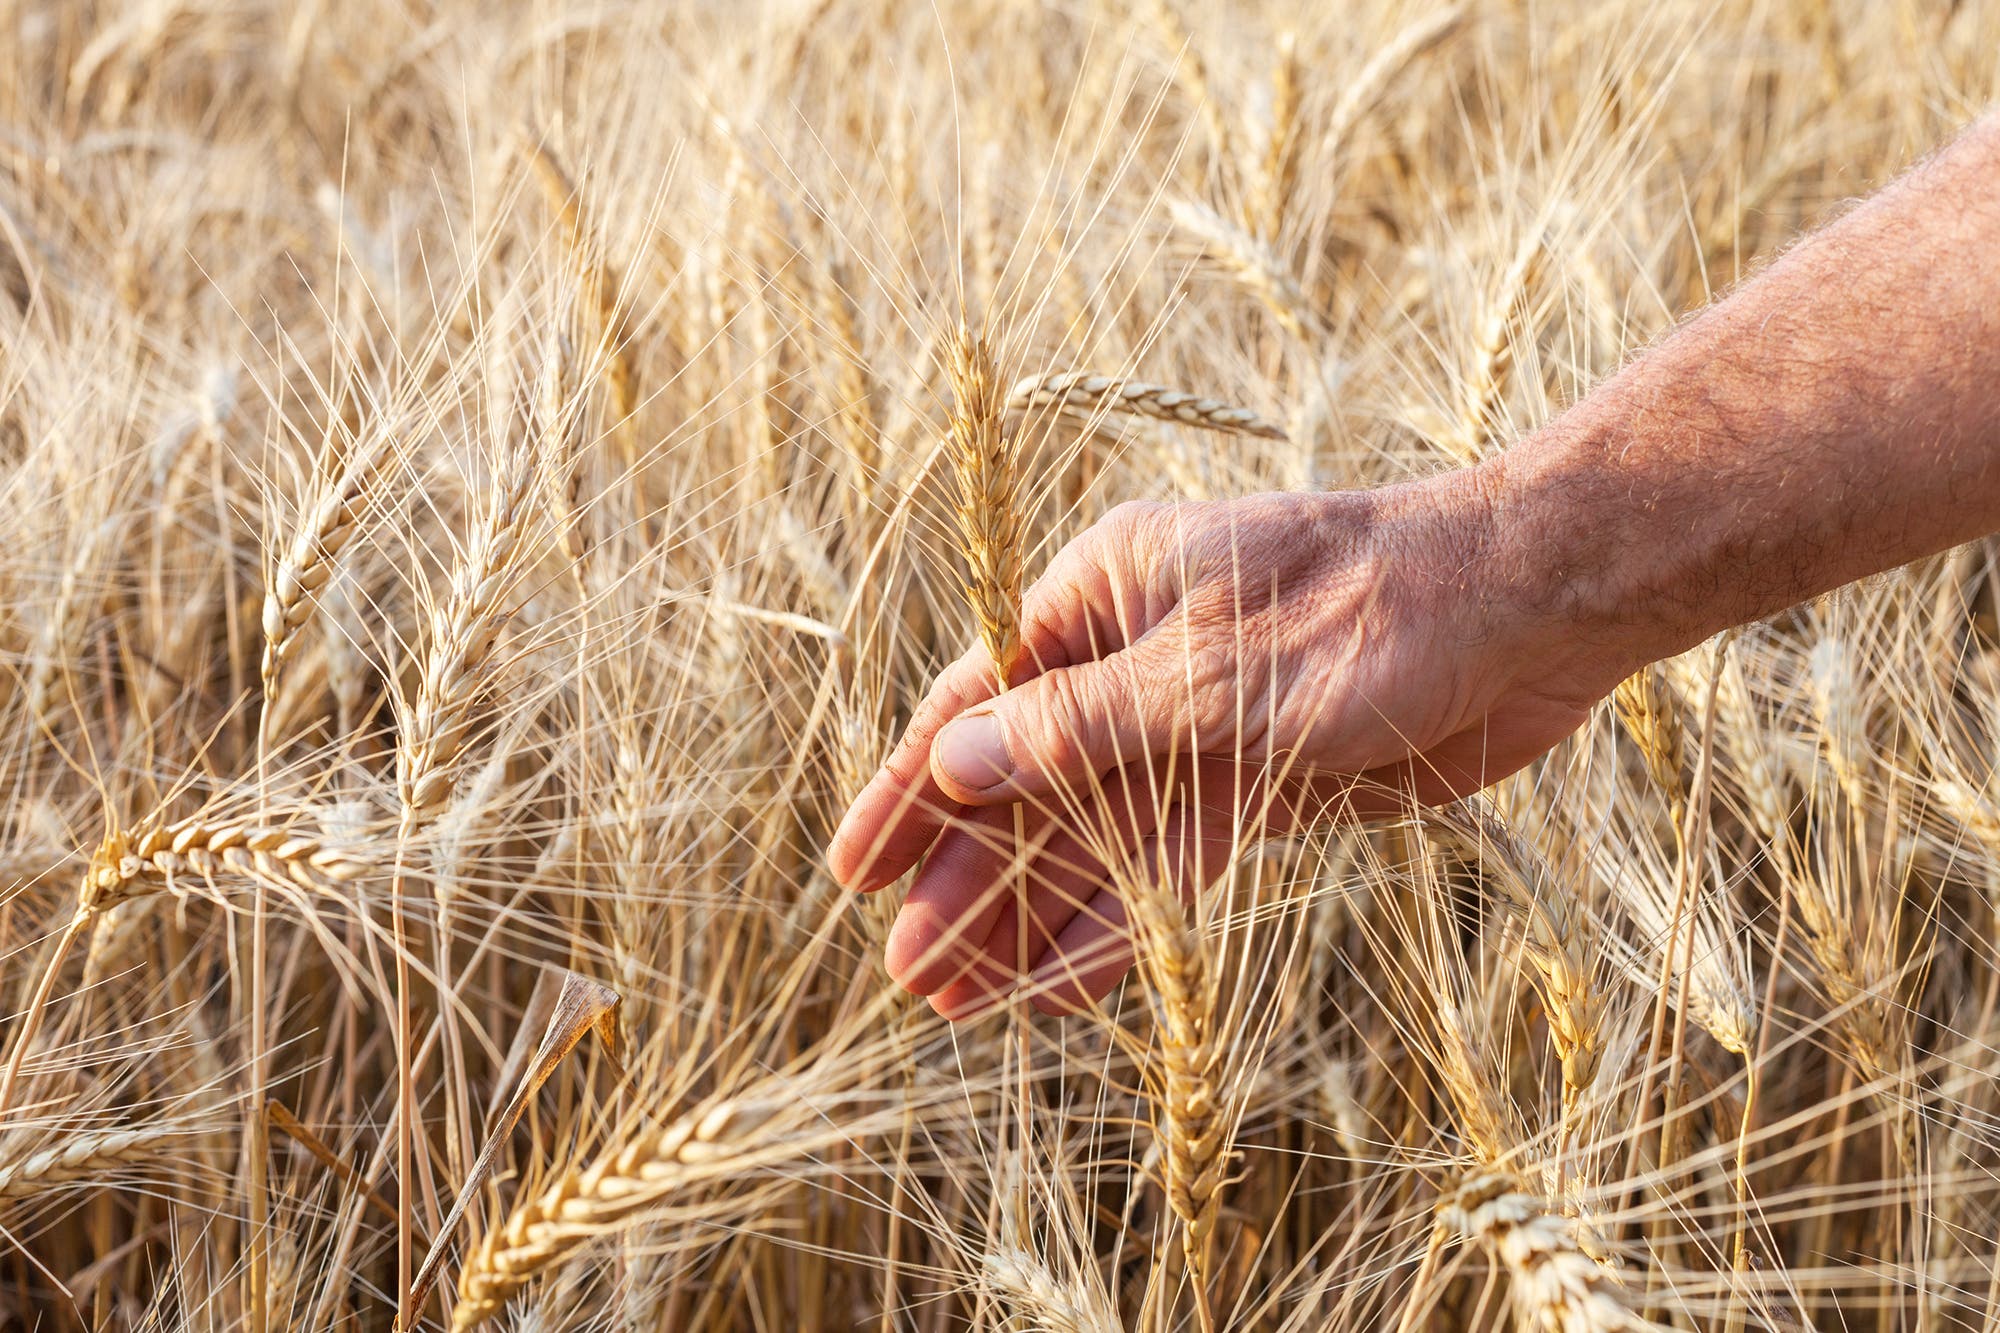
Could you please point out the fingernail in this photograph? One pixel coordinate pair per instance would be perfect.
(973, 752)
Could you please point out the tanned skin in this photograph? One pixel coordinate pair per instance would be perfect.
(1281, 657)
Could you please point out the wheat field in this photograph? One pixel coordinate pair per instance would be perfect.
(482, 487)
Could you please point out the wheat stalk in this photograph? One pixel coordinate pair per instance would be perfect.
(1082, 391)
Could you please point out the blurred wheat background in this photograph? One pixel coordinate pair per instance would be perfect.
(475, 503)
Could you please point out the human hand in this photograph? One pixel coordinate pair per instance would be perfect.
(1189, 672)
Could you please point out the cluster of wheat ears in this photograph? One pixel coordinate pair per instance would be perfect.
(481, 488)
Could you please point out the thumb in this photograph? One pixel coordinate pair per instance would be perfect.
(1065, 728)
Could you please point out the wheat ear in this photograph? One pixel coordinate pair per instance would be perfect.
(1277, 175)
(1558, 935)
(1041, 1301)
(462, 633)
(1362, 92)
(1254, 265)
(724, 1140)
(988, 469)
(1081, 391)
(84, 1155)
(1557, 1287)
(313, 558)
(1473, 434)
(1647, 710)
(1175, 959)
(586, 252)
(1192, 71)
(134, 863)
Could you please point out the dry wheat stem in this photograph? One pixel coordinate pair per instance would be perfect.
(1081, 391)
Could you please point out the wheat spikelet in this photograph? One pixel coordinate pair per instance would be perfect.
(1557, 1287)
(1081, 391)
(989, 500)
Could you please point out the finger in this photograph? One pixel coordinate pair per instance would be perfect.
(1190, 852)
(899, 812)
(1058, 734)
(1086, 961)
(954, 901)
(967, 879)
(1074, 613)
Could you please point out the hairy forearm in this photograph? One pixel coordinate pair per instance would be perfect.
(1837, 416)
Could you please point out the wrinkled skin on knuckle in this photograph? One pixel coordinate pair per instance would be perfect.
(1050, 737)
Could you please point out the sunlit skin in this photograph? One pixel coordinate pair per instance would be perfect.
(1280, 658)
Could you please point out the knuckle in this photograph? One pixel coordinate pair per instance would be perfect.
(1058, 726)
